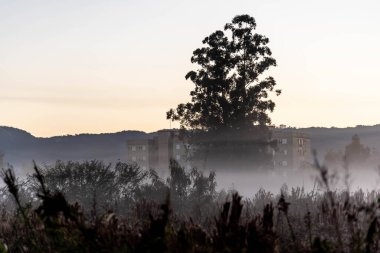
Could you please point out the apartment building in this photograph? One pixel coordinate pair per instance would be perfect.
(157, 151)
(292, 151)
(143, 152)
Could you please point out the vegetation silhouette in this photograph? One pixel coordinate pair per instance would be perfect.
(228, 112)
(355, 152)
(294, 221)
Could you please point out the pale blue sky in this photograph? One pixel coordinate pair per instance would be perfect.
(94, 66)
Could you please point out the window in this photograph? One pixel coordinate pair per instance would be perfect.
(177, 146)
(134, 158)
(283, 141)
(133, 148)
(144, 147)
(285, 151)
(178, 157)
(284, 163)
(144, 158)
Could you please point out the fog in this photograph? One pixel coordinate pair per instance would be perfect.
(248, 183)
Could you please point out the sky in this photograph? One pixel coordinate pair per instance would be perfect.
(91, 66)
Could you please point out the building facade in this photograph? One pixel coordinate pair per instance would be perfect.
(292, 150)
(157, 151)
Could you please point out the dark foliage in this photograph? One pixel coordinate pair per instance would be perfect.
(228, 93)
(328, 221)
(230, 101)
(355, 152)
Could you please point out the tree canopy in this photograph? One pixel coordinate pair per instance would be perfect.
(230, 102)
(229, 92)
(356, 152)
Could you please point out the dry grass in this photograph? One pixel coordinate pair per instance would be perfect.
(190, 216)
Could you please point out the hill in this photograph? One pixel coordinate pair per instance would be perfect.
(324, 139)
(21, 148)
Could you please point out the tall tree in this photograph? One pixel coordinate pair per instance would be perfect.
(228, 90)
(230, 95)
(356, 153)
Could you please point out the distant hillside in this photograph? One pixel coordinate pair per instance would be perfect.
(324, 139)
(20, 147)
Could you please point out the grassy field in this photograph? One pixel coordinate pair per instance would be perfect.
(122, 208)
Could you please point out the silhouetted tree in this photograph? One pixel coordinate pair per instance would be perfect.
(179, 181)
(355, 152)
(229, 105)
(94, 182)
(190, 190)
